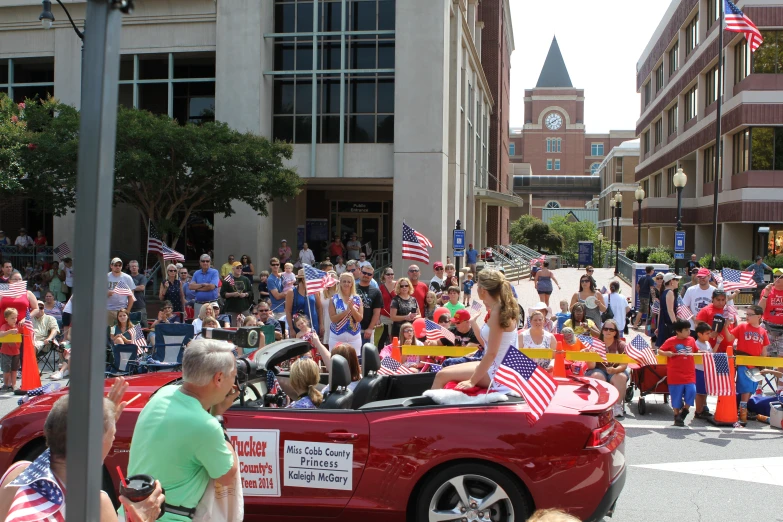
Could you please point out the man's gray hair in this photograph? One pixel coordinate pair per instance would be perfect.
(133, 262)
(203, 358)
(350, 262)
(205, 257)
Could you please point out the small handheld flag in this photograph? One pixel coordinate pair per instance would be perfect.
(522, 375)
(639, 350)
(716, 374)
(735, 280)
(434, 331)
(317, 280)
(390, 366)
(596, 344)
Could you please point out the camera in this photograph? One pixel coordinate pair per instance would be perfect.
(276, 400)
(244, 337)
(246, 370)
(138, 487)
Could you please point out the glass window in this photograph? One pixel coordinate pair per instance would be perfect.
(283, 97)
(712, 12)
(386, 95)
(713, 84)
(690, 104)
(154, 97)
(741, 61)
(557, 164)
(511, 149)
(283, 128)
(363, 96)
(672, 116)
(549, 164)
(304, 97)
(647, 94)
(126, 67)
(35, 70)
(154, 66)
(657, 185)
(658, 131)
(201, 65)
(3, 71)
(674, 57)
(362, 54)
(362, 129)
(741, 152)
(709, 164)
(304, 17)
(126, 96)
(331, 96)
(386, 54)
(363, 16)
(618, 169)
(597, 149)
(594, 168)
(767, 58)
(762, 147)
(659, 78)
(385, 128)
(386, 15)
(303, 129)
(304, 55)
(646, 142)
(692, 35)
(285, 16)
(194, 102)
(330, 129)
(332, 17)
(40, 91)
(670, 189)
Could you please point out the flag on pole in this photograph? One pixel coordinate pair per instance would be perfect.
(735, 280)
(414, 245)
(62, 250)
(123, 289)
(434, 331)
(597, 345)
(656, 307)
(156, 245)
(138, 339)
(738, 22)
(39, 496)
(716, 374)
(390, 366)
(640, 351)
(683, 312)
(229, 279)
(522, 375)
(13, 290)
(317, 280)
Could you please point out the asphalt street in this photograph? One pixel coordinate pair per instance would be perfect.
(699, 472)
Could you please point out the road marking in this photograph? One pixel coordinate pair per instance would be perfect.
(701, 428)
(766, 470)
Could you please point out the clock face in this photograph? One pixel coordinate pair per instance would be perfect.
(553, 121)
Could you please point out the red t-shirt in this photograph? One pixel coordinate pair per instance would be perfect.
(706, 315)
(680, 369)
(773, 312)
(751, 340)
(40, 241)
(420, 293)
(387, 299)
(8, 348)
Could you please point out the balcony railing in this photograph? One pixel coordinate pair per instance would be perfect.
(483, 178)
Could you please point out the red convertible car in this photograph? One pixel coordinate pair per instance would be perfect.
(385, 452)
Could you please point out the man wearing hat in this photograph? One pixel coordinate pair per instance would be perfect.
(699, 295)
(115, 301)
(236, 294)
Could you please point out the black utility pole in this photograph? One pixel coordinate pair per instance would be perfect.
(718, 148)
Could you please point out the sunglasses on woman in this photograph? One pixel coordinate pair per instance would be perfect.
(404, 286)
(609, 330)
(584, 281)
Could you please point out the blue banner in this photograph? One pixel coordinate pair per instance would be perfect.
(585, 253)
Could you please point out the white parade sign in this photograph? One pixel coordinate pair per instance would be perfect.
(318, 465)
(259, 464)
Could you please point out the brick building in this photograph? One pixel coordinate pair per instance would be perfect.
(553, 148)
(677, 76)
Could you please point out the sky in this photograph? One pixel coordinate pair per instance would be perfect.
(601, 43)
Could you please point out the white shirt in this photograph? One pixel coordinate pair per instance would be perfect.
(24, 241)
(619, 308)
(118, 302)
(695, 298)
(306, 257)
(703, 347)
(339, 269)
(68, 306)
(362, 264)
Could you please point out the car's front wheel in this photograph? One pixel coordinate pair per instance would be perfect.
(471, 492)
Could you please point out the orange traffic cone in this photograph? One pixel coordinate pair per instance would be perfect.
(395, 351)
(726, 411)
(31, 379)
(559, 370)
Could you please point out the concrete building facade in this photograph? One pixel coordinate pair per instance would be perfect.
(679, 82)
(385, 101)
(617, 173)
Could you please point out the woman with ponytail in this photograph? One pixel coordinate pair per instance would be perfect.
(305, 376)
(499, 334)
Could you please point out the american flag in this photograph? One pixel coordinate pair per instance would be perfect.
(138, 339)
(523, 376)
(123, 289)
(683, 312)
(716, 374)
(414, 245)
(738, 22)
(476, 306)
(730, 312)
(272, 385)
(431, 368)
(316, 280)
(597, 345)
(62, 250)
(533, 261)
(27, 324)
(717, 277)
(656, 307)
(13, 290)
(434, 331)
(229, 279)
(39, 496)
(640, 351)
(734, 280)
(344, 320)
(156, 245)
(391, 366)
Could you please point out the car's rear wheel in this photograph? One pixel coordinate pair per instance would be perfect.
(471, 492)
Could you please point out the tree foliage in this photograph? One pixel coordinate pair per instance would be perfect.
(165, 170)
(540, 236)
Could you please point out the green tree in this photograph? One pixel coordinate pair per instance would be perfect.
(518, 226)
(540, 236)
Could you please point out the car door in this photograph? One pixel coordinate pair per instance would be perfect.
(320, 457)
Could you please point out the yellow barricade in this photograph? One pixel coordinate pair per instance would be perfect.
(11, 338)
(537, 353)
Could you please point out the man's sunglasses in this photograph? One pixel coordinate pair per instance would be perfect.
(369, 274)
(274, 264)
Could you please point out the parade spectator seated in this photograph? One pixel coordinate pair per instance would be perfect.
(580, 324)
(346, 350)
(617, 374)
(166, 316)
(265, 317)
(304, 379)
(53, 308)
(408, 338)
(45, 328)
(50, 468)
(453, 303)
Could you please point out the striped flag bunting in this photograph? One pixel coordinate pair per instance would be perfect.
(62, 250)
(39, 495)
(434, 331)
(138, 339)
(597, 345)
(414, 245)
(639, 350)
(738, 22)
(13, 290)
(717, 277)
(716, 374)
(736, 280)
(317, 280)
(390, 366)
(522, 375)
(123, 289)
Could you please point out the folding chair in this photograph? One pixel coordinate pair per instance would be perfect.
(47, 356)
(125, 360)
(135, 318)
(170, 341)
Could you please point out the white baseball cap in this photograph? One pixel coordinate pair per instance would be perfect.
(669, 276)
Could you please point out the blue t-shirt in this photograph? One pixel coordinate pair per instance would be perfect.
(645, 283)
(211, 277)
(275, 282)
(468, 285)
(562, 317)
(471, 256)
(758, 271)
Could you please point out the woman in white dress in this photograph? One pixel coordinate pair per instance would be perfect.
(499, 335)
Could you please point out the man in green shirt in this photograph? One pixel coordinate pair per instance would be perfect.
(177, 440)
(453, 304)
(237, 291)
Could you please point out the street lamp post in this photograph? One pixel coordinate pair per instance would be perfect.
(639, 197)
(618, 233)
(47, 18)
(680, 179)
(612, 205)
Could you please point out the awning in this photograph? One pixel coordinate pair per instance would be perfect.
(499, 199)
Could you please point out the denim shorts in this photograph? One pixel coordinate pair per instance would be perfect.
(682, 394)
(608, 377)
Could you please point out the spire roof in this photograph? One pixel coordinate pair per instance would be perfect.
(554, 73)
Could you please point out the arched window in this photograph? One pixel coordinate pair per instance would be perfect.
(552, 204)
(594, 169)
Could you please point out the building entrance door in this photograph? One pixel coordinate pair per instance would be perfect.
(366, 227)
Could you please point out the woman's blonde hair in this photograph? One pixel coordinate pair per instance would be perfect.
(210, 322)
(329, 291)
(403, 280)
(536, 313)
(346, 275)
(427, 305)
(305, 376)
(403, 327)
(202, 314)
(496, 285)
(169, 267)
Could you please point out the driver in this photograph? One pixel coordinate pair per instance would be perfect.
(185, 465)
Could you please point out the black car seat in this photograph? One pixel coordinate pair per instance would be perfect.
(372, 387)
(340, 398)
